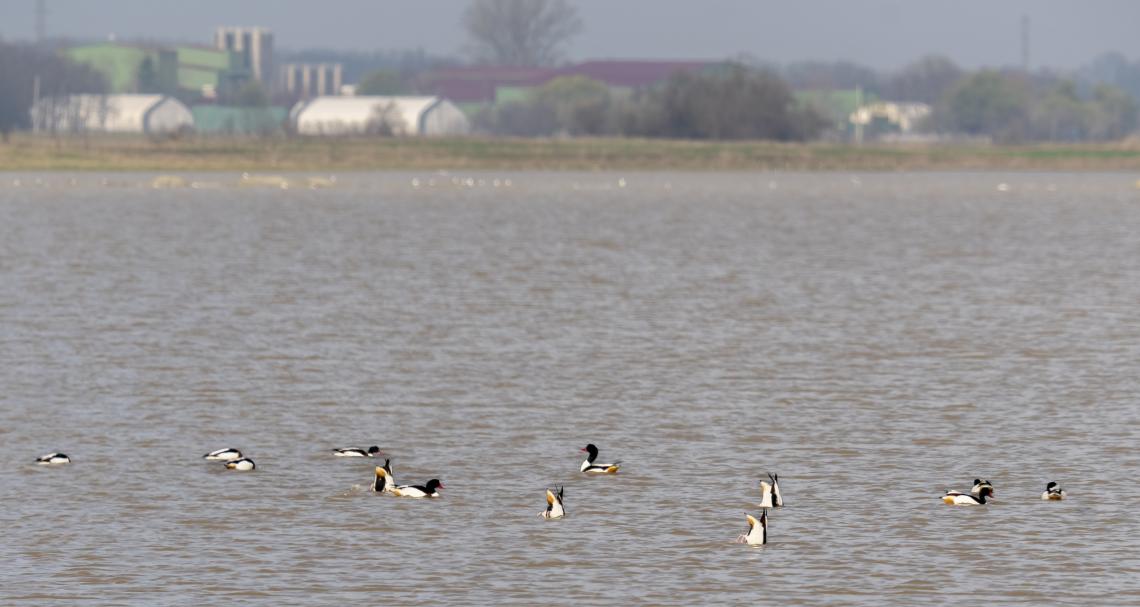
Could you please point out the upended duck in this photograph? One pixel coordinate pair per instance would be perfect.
(757, 534)
(385, 481)
(770, 493)
(554, 508)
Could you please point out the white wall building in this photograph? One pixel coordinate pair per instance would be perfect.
(379, 115)
(305, 80)
(903, 115)
(253, 44)
(149, 114)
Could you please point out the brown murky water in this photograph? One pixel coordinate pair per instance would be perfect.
(874, 339)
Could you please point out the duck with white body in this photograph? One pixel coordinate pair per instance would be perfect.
(770, 492)
(1053, 492)
(385, 481)
(372, 451)
(52, 459)
(429, 489)
(961, 499)
(757, 534)
(223, 455)
(554, 508)
(591, 467)
(244, 464)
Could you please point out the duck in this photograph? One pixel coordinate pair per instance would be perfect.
(53, 458)
(757, 534)
(357, 452)
(431, 489)
(1053, 491)
(961, 499)
(241, 464)
(385, 481)
(975, 490)
(554, 508)
(770, 493)
(590, 467)
(223, 455)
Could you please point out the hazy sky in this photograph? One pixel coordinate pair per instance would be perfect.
(879, 33)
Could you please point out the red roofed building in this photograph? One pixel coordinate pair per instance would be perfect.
(631, 74)
(482, 85)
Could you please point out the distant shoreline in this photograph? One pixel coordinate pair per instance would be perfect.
(135, 153)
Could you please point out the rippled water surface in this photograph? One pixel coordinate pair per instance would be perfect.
(874, 339)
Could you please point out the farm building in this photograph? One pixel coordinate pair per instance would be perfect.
(131, 68)
(149, 114)
(378, 115)
(474, 87)
(231, 120)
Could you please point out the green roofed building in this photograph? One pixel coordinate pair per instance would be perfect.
(128, 68)
(184, 71)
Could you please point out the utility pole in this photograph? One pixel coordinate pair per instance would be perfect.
(1025, 43)
(41, 21)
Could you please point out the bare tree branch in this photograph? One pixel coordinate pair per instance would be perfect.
(520, 32)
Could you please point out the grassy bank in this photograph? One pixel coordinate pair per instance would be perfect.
(128, 153)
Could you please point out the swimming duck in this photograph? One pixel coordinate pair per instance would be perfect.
(592, 468)
(975, 490)
(757, 530)
(356, 452)
(770, 493)
(224, 455)
(959, 499)
(53, 458)
(241, 464)
(1053, 491)
(431, 489)
(554, 507)
(385, 481)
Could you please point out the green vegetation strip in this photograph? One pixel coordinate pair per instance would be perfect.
(119, 153)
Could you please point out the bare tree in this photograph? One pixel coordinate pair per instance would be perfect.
(386, 121)
(520, 32)
(28, 71)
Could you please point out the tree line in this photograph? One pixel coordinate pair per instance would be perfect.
(28, 71)
(746, 99)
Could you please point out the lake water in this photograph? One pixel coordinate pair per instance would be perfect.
(875, 339)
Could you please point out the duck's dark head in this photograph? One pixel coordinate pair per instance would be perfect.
(1052, 485)
(592, 451)
(373, 450)
(560, 493)
(433, 485)
(986, 491)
